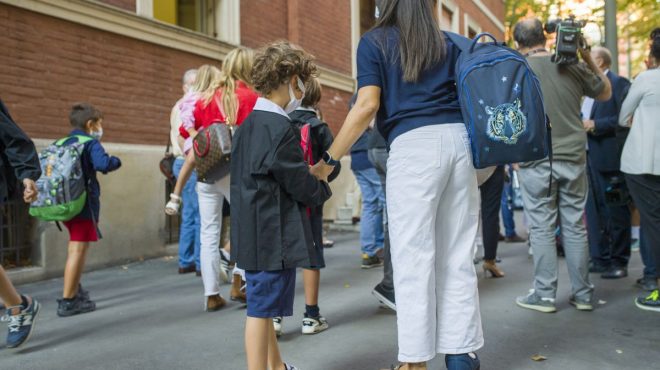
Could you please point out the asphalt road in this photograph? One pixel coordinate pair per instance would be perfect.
(149, 317)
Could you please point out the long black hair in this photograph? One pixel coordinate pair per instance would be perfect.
(421, 44)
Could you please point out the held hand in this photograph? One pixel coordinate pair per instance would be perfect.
(589, 125)
(30, 193)
(321, 171)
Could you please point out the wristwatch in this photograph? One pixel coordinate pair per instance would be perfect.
(327, 158)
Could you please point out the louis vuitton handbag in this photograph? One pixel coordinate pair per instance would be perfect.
(212, 148)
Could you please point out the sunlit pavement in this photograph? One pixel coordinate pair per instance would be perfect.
(149, 317)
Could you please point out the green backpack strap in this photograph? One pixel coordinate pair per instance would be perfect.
(81, 139)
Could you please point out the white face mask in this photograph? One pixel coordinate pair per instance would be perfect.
(293, 102)
(97, 134)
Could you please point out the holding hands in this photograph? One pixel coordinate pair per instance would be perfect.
(321, 171)
(30, 193)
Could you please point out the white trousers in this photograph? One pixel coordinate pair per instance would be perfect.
(433, 210)
(211, 198)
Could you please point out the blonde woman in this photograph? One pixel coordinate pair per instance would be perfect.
(228, 99)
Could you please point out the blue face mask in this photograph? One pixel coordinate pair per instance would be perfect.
(97, 134)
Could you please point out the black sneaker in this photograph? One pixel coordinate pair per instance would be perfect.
(21, 324)
(75, 306)
(384, 296)
(371, 262)
(82, 293)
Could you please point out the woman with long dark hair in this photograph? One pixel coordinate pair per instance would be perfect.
(406, 76)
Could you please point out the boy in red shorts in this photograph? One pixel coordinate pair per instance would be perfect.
(83, 229)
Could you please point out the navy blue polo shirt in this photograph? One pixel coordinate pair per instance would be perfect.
(405, 106)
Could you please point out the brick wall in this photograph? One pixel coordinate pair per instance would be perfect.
(263, 21)
(486, 24)
(48, 64)
(334, 106)
(321, 27)
(124, 4)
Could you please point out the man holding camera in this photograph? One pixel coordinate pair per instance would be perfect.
(608, 215)
(555, 192)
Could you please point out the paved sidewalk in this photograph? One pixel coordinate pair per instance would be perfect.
(149, 317)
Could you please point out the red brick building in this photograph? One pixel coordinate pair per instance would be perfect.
(127, 57)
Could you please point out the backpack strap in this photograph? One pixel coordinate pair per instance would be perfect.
(81, 139)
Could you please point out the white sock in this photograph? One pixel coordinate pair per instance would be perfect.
(634, 232)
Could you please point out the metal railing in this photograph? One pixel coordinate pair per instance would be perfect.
(16, 228)
(172, 223)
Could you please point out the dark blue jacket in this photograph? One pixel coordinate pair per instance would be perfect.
(18, 157)
(607, 139)
(94, 159)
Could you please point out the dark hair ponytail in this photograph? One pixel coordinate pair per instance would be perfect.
(421, 44)
(655, 48)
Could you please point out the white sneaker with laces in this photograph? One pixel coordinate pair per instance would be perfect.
(312, 325)
(277, 325)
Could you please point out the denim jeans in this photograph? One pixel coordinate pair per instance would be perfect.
(378, 157)
(373, 203)
(189, 231)
(507, 208)
(650, 269)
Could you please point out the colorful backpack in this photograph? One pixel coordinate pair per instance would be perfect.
(62, 186)
(501, 102)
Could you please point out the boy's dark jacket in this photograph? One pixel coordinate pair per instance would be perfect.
(94, 159)
(270, 189)
(18, 157)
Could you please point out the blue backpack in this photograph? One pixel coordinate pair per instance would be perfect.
(501, 102)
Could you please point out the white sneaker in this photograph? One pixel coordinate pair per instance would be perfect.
(312, 326)
(277, 325)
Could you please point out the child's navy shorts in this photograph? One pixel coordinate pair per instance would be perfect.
(270, 293)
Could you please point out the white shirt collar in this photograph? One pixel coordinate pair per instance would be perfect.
(305, 109)
(266, 105)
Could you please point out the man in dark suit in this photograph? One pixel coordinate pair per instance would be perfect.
(608, 222)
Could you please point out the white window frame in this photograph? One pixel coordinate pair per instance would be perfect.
(469, 22)
(355, 34)
(453, 27)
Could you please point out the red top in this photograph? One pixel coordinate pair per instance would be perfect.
(206, 115)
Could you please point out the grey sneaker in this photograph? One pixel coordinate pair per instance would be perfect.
(533, 301)
(581, 304)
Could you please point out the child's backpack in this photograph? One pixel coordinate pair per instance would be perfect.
(306, 143)
(62, 185)
(501, 102)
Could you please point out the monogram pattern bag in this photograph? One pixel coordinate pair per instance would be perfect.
(212, 147)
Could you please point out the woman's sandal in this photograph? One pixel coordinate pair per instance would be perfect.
(172, 207)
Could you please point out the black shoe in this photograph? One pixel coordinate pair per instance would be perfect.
(597, 268)
(385, 296)
(615, 273)
(75, 306)
(371, 262)
(647, 284)
(82, 293)
(515, 239)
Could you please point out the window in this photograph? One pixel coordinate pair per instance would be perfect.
(471, 27)
(220, 19)
(195, 15)
(448, 16)
(367, 15)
